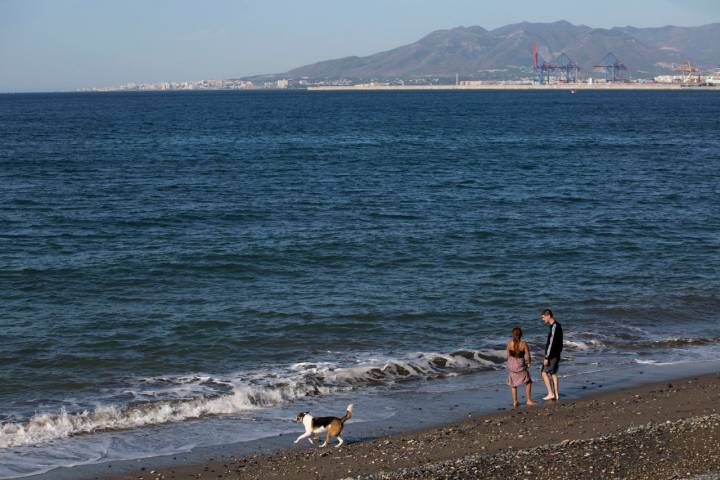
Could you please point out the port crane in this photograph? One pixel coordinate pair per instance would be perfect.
(612, 67)
(691, 73)
(568, 69)
(544, 70)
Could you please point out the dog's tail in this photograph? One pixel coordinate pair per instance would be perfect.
(348, 414)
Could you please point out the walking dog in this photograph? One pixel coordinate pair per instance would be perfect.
(314, 426)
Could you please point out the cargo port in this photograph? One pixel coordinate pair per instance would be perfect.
(563, 73)
(560, 73)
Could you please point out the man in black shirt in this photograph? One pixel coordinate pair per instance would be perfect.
(553, 349)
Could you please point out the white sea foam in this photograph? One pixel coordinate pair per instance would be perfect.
(43, 428)
(659, 364)
(645, 362)
(584, 345)
(170, 399)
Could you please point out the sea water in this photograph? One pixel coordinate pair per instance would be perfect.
(187, 269)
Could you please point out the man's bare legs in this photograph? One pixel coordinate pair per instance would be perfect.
(551, 393)
(556, 384)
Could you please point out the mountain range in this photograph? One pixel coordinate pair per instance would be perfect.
(506, 52)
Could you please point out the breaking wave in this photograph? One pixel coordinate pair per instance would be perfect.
(168, 399)
(596, 343)
(673, 343)
(189, 397)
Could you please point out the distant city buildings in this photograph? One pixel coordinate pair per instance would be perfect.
(230, 84)
(270, 83)
(669, 79)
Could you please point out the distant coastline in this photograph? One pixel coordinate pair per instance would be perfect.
(505, 86)
(393, 86)
(468, 86)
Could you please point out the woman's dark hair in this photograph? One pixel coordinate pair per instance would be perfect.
(517, 337)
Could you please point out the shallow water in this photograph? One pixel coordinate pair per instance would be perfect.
(202, 262)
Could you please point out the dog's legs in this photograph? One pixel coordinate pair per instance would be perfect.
(328, 437)
(340, 441)
(304, 435)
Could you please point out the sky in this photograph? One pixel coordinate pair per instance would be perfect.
(58, 45)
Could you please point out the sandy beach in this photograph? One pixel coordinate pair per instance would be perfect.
(661, 430)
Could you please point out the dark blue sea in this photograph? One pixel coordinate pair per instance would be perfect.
(186, 269)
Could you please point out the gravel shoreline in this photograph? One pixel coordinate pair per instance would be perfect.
(665, 450)
(666, 430)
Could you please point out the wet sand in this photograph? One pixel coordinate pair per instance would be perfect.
(661, 430)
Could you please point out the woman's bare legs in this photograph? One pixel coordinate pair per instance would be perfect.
(514, 395)
(528, 394)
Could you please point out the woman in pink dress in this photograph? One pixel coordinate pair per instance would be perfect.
(518, 363)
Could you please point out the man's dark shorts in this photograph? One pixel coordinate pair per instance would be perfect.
(552, 366)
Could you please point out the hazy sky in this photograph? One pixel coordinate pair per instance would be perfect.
(69, 44)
